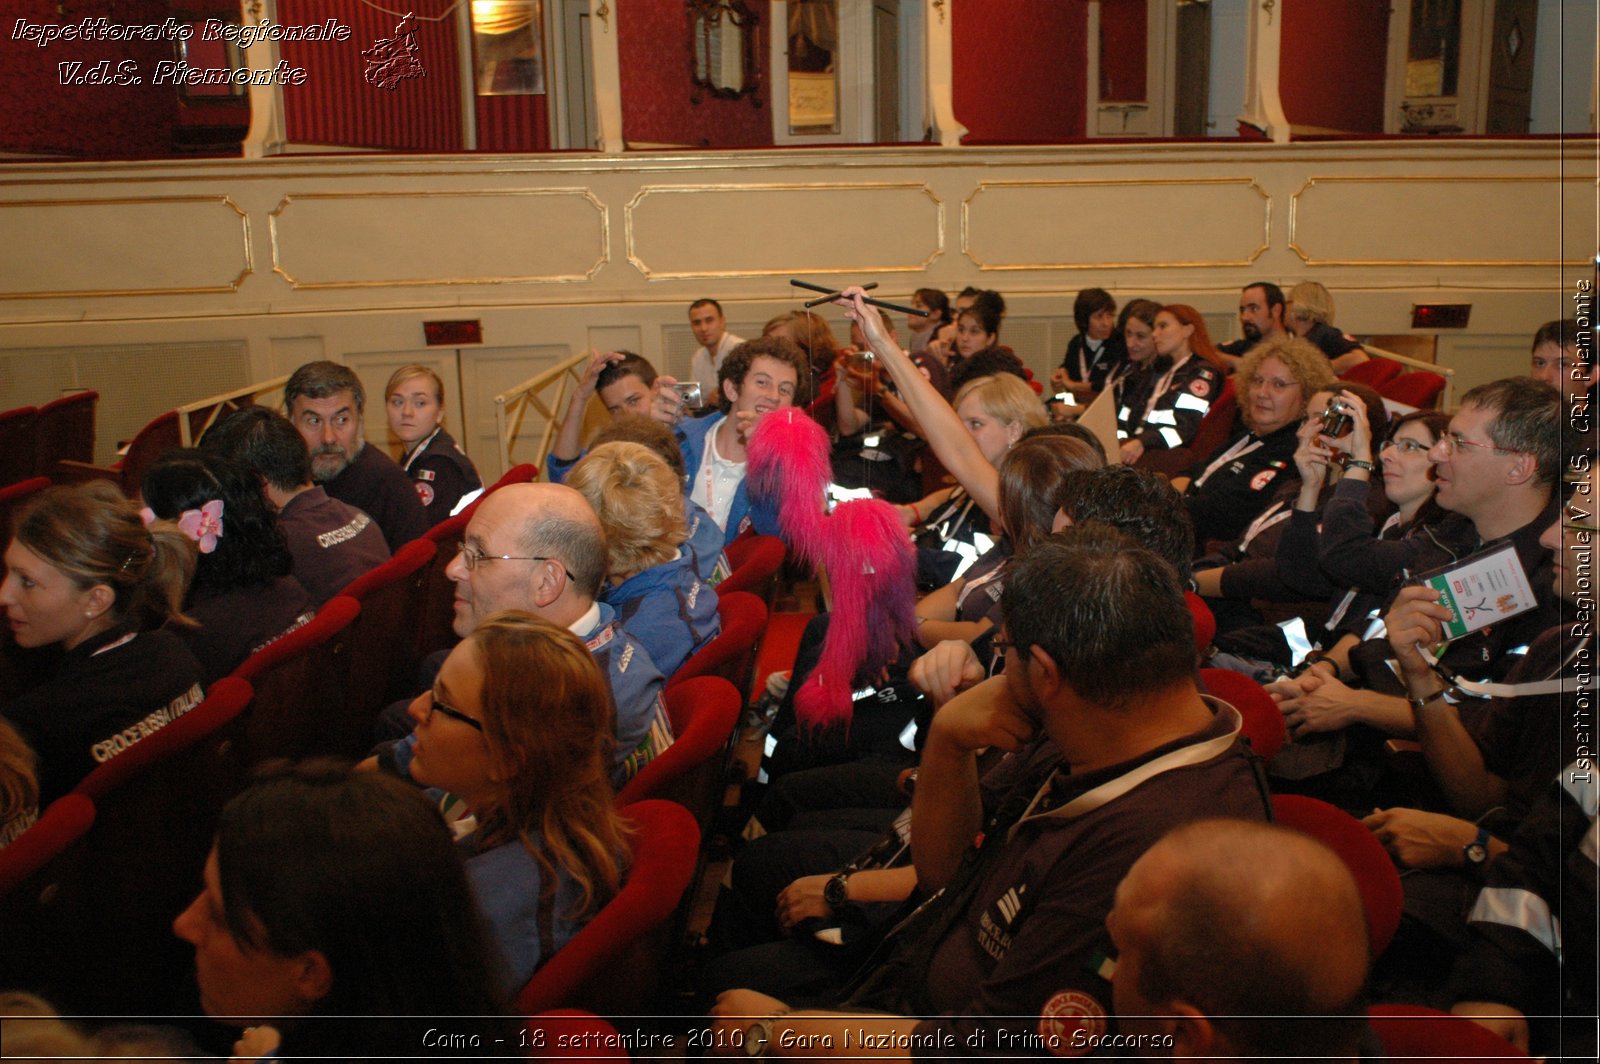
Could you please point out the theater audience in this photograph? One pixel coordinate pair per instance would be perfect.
(757, 377)
(539, 548)
(702, 538)
(242, 596)
(440, 470)
(332, 542)
(650, 581)
(1164, 398)
(923, 328)
(1099, 683)
(716, 344)
(1309, 315)
(1238, 941)
(84, 575)
(1261, 311)
(1096, 351)
(1275, 381)
(1137, 327)
(625, 384)
(326, 403)
(518, 727)
(336, 910)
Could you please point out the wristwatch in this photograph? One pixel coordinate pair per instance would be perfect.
(1361, 463)
(1476, 852)
(758, 1036)
(834, 893)
(1418, 703)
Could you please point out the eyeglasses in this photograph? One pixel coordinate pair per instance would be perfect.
(1410, 446)
(1453, 440)
(473, 557)
(438, 705)
(1001, 645)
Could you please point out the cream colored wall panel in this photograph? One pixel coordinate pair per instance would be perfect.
(1422, 220)
(769, 230)
(1115, 224)
(363, 239)
(148, 245)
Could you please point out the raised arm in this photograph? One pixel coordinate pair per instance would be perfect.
(568, 444)
(941, 427)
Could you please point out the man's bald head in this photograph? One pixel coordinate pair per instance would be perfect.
(533, 547)
(1232, 918)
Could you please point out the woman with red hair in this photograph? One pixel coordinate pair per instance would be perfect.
(1166, 398)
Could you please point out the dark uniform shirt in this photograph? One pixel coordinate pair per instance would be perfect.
(442, 473)
(1162, 407)
(1093, 367)
(374, 484)
(239, 621)
(108, 692)
(332, 542)
(1237, 483)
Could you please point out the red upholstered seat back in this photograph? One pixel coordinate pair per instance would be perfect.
(704, 712)
(301, 682)
(1410, 1032)
(17, 458)
(731, 654)
(611, 966)
(64, 430)
(1420, 389)
(1361, 852)
(755, 562)
(1374, 372)
(1263, 721)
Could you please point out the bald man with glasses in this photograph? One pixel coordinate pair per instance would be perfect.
(540, 548)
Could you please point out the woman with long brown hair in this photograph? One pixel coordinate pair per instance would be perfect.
(1165, 400)
(518, 728)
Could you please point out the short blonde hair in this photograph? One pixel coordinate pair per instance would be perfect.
(405, 373)
(1309, 301)
(1007, 398)
(1306, 364)
(639, 501)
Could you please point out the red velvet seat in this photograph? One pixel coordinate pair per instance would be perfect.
(383, 658)
(1362, 853)
(1205, 624)
(436, 615)
(300, 682)
(12, 496)
(525, 473)
(17, 459)
(611, 967)
(1374, 372)
(41, 876)
(704, 712)
(64, 430)
(1420, 389)
(732, 653)
(755, 561)
(1416, 1032)
(153, 441)
(158, 804)
(1263, 720)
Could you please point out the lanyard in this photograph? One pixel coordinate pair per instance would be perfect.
(1239, 450)
(419, 448)
(1272, 515)
(1552, 686)
(1161, 389)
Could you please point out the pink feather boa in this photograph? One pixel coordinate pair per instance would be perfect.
(864, 547)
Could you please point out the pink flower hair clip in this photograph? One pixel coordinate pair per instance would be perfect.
(204, 525)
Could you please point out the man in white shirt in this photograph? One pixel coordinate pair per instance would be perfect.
(711, 329)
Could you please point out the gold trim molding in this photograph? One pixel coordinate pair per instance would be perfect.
(1246, 182)
(1441, 179)
(84, 293)
(784, 271)
(425, 282)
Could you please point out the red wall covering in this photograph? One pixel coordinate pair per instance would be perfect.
(337, 105)
(38, 114)
(1019, 69)
(1124, 54)
(1332, 68)
(653, 46)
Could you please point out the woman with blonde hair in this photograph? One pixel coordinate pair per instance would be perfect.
(1309, 316)
(84, 574)
(518, 727)
(440, 470)
(1224, 491)
(651, 582)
